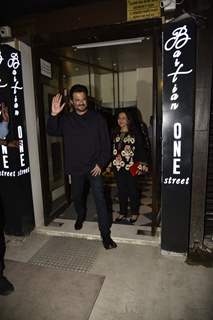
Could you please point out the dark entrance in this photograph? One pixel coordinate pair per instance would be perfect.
(117, 69)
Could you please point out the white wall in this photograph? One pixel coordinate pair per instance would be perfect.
(97, 86)
(135, 89)
(81, 79)
(32, 136)
(144, 92)
(128, 85)
(106, 89)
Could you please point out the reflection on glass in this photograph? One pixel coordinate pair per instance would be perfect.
(54, 150)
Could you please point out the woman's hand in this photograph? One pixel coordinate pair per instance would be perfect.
(143, 167)
(56, 107)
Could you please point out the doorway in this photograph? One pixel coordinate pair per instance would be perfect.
(119, 75)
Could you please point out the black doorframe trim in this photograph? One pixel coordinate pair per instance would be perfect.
(130, 30)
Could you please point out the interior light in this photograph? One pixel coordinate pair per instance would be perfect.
(108, 43)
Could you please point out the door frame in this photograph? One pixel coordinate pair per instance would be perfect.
(49, 212)
(44, 52)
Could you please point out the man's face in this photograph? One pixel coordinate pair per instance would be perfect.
(79, 102)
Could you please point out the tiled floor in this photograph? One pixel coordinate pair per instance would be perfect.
(145, 210)
(138, 233)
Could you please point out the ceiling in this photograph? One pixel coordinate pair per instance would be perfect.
(18, 9)
(105, 59)
(101, 60)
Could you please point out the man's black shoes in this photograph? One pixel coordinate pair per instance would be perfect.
(109, 243)
(78, 224)
(6, 286)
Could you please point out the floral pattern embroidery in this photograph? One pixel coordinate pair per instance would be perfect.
(123, 151)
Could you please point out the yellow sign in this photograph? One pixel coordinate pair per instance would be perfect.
(142, 9)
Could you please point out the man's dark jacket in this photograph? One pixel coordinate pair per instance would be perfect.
(86, 140)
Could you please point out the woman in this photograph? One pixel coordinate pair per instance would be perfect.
(128, 149)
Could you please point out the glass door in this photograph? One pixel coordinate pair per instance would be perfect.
(49, 81)
(54, 154)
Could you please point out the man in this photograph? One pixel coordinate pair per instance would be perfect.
(6, 286)
(87, 151)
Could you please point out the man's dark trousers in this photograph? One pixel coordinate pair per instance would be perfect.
(78, 195)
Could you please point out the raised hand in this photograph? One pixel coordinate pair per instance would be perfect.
(56, 107)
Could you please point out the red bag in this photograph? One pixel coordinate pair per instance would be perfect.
(135, 168)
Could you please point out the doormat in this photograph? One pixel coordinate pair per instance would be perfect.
(68, 254)
(46, 294)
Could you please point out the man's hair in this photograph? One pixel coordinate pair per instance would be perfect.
(78, 88)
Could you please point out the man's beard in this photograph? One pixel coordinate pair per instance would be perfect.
(81, 108)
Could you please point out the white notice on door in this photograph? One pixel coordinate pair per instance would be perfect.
(46, 68)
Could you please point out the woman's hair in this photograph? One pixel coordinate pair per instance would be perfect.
(130, 123)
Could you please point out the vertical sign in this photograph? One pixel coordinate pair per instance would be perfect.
(179, 50)
(15, 186)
